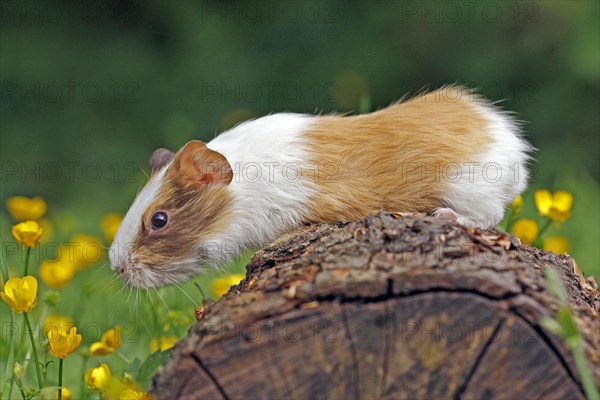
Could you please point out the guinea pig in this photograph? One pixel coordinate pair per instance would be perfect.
(447, 152)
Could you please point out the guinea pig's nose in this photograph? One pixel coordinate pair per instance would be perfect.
(120, 268)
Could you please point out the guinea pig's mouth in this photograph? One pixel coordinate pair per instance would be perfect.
(143, 276)
(138, 276)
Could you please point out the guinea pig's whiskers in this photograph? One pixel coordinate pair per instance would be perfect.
(123, 286)
(108, 284)
(186, 294)
(136, 304)
(130, 292)
(100, 267)
(161, 299)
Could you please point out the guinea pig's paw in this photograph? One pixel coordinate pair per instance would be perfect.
(446, 214)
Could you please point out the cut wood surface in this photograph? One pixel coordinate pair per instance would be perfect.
(393, 306)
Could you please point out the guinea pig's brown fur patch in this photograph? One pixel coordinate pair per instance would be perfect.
(374, 161)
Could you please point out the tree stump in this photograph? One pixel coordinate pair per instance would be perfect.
(393, 306)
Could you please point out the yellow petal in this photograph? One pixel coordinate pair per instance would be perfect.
(562, 201)
(99, 349)
(62, 343)
(131, 394)
(112, 338)
(220, 286)
(74, 339)
(20, 293)
(27, 233)
(86, 250)
(23, 208)
(558, 216)
(56, 274)
(66, 394)
(98, 377)
(167, 342)
(11, 302)
(543, 201)
(526, 230)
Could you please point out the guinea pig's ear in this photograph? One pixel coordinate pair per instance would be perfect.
(160, 158)
(197, 164)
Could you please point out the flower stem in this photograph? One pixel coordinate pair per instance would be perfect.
(544, 228)
(27, 259)
(7, 386)
(45, 368)
(122, 357)
(35, 354)
(587, 380)
(60, 366)
(21, 388)
(82, 386)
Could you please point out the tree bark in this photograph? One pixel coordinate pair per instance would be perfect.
(392, 306)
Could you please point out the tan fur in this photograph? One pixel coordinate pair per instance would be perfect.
(370, 162)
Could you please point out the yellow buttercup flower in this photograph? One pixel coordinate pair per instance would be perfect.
(23, 208)
(110, 341)
(557, 244)
(66, 394)
(124, 389)
(526, 230)
(27, 233)
(164, 343)
(98, 377)
(62, 343)
(556, 206)
(132, 394)
(517, 204)
(20, 293)
(56, 274)
(220, 286)
(86, 250)
(109, 224)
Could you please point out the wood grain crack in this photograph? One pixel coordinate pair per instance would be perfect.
(461, 389)
(210, 376)
(353, 355)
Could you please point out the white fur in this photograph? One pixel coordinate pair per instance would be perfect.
(269, 197)
(120, 250)
(499, 174)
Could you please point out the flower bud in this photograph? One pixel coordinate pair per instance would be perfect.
(18, 371)
(52, 298)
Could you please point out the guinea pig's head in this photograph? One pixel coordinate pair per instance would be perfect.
(163, 237)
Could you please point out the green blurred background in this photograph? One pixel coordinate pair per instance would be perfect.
(90, 89)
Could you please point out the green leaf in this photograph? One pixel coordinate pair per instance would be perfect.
(551, 325)
(148, 367)
(555, 286)
(134, 368)
(565, 319)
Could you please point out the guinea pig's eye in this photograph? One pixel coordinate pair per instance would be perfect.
(159, 220)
